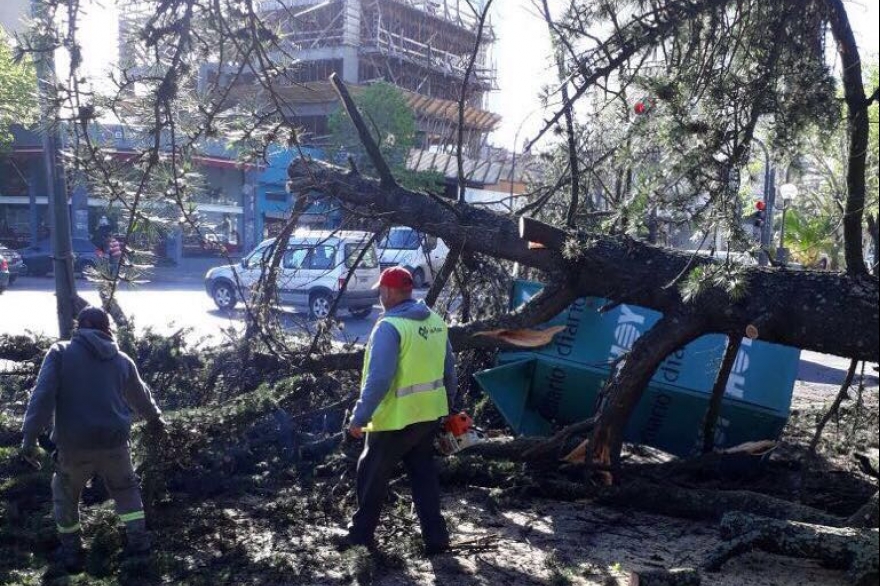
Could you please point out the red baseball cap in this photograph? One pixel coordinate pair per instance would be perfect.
(395, 278)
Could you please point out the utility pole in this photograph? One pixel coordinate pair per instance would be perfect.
(59, 213)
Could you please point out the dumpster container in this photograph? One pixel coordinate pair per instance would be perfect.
(542, 388)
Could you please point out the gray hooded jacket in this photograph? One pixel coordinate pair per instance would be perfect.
(92, 389)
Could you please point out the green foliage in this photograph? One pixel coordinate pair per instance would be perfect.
(392, 125)
(18, 84)
(809, 236)
(726, 276)
(814, 225)
(389, 119)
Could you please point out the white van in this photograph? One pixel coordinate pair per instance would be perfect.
(310, 276)
(420, 254)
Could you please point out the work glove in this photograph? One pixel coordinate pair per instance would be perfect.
(32, 455)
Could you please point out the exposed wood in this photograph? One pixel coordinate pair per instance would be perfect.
(538, 232)
(855, 550)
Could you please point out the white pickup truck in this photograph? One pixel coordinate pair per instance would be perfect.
(419, 253)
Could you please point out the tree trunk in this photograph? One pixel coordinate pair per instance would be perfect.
(855, 550)
(821, 311)
(710, 504)
(674, 577)
(718, 390)
(625, 388)
(857, 123)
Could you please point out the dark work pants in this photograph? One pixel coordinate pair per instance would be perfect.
(74, 468)
(383, 450)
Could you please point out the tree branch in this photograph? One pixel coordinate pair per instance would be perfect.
(385, 176)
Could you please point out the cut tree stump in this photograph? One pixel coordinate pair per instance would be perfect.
(852, 549)
(674, 577)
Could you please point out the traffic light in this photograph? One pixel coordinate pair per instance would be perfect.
(758, 217)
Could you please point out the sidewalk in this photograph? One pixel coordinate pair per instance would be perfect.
(190, 269)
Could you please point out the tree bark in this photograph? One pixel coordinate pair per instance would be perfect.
(674, 577)
(718, 390)
(857, 122)
(855, 550)
(625, 388)
(821, 311)
(710, 504)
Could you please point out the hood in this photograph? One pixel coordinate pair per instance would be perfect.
(410, 309)
(101, 345)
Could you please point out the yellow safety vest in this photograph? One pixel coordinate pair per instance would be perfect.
(417, 392)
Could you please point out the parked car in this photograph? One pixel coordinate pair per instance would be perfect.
(313, 270)
(4, 274)
(420, 254)
(38, 257)
(14, 263)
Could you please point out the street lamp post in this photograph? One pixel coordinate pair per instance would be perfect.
(788, 192)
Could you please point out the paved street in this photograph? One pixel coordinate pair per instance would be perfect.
(166, 307)
(181, 302)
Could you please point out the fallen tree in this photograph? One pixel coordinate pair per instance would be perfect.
(853, 549)
(826, 312)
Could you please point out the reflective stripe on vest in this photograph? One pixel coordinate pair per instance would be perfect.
(420, 388)
(133, 516)
(417, 392)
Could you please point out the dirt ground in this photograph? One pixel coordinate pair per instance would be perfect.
(269, 525)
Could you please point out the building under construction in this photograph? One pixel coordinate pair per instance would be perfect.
(421, 46)
(424, 47)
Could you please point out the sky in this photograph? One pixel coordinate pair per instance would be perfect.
(521, 53)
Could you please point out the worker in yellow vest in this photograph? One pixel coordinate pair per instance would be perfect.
(407, 386)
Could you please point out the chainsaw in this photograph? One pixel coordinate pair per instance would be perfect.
(458, 433)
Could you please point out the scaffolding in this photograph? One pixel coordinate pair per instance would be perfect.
(425, 39)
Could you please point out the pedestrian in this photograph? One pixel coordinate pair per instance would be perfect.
(408, 384)
(91, 389)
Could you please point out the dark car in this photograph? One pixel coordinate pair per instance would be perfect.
(15, 265)
(38, 257)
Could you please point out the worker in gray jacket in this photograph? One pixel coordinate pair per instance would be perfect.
(408, 385)
(92, 390)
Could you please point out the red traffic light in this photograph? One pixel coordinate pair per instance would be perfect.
(760, 205)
